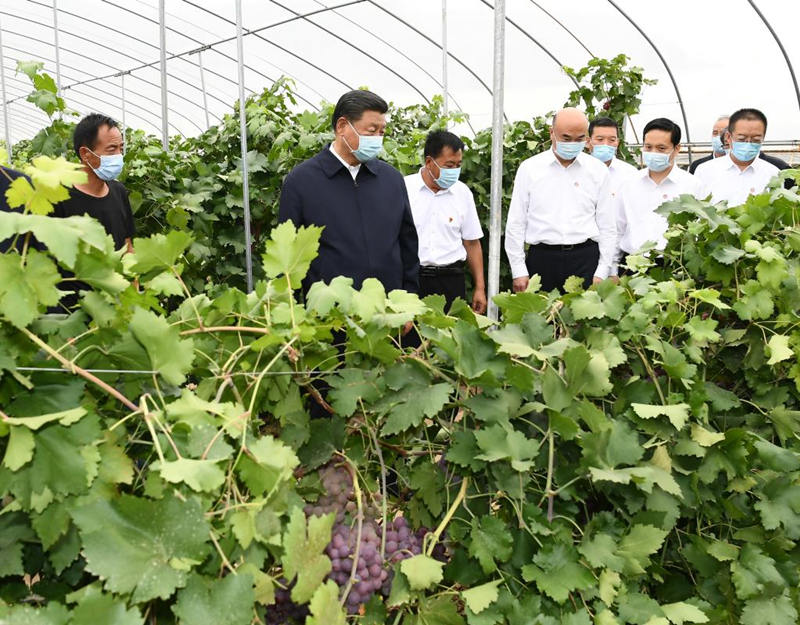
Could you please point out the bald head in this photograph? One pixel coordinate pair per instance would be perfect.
(570, 124)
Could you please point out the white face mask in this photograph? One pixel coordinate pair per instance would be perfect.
(110, 166)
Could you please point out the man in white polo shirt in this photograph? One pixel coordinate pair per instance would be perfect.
(447, 223)
(741, 173)
(556, 209)
(661, 181)
(603, 143)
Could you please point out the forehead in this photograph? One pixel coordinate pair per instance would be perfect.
(658, 136)
(720, 123)
(108, 134)
(448, 154)
(749, 126)
(372, 118)
(604, 131)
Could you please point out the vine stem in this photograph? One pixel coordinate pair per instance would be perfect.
(384, 493)
(150, 427)
(360, 524)
(450, 512)
(75, 369)
(209, 329)
(549, 485)
(222, 555)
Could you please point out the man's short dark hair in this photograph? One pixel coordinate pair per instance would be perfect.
(352, 105)
(662, 123)
(751, 114)
(85, 134)
(603, 122)
(438, 140)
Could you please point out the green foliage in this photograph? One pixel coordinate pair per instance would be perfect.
(623, 455)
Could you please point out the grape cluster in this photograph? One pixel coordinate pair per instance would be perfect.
(370, 572)
(337, 484)
(284, 610)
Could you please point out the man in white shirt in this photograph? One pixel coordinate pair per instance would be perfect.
(603, 143)
(447, 223)
(741, 173)
(554, 208)
(661, 181)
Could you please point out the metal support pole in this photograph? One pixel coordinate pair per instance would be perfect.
(248, 253)
(496, 215)
(203, 87)
(444, 59)
(162, 37)
(5, 99)
(58, 48)
(124, 106)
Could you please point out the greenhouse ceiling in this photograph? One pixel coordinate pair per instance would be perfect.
(709, 57)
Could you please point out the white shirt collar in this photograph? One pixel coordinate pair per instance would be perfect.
(423, 184)
(575, 161)
(353, 169)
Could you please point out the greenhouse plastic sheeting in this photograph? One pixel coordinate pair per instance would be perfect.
(720, 52)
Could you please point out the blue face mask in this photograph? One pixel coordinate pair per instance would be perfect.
(744, 151)
(604, 152)
(110, 166)
(716, 145)
(569, 150)
(447, 177)
(369, 146)
(656, 161)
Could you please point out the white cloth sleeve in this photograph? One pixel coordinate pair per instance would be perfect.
(516, 224)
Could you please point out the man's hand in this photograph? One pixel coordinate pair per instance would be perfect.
(407, 328)
(614, 279)
(520, 284)
(596, 280)
(479, 301)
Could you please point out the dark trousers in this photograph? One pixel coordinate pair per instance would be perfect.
(447, 281)
(556, 263)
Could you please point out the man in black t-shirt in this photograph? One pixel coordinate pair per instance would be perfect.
(98, 143)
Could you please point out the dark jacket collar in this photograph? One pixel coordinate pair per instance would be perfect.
(331, 165)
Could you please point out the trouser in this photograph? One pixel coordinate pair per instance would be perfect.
(447, 280)
(556, 263)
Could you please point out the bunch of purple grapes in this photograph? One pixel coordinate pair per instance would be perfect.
(370, 573)
(337, 484)
(284, 610)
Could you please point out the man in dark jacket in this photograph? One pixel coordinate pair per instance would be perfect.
(361, 202)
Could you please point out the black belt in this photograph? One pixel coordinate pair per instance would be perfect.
(442, 270)
(571, 246)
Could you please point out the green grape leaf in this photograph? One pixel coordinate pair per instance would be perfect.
(303, 552)
(140, 546)
(636, 547)
(25, 289)
(19, 449)
(557, 572)
(226, 601)
(677, 414)
(199, 475)
(52, 614)
(97, 608)
(499, 443)
(778, 349)
(324, 606)
(769, 611)
(422, 571)
(290, 251)
(490, 542)
(681, 612)
(159, 251)
(170, 355)
(481, 597)
(417, 403)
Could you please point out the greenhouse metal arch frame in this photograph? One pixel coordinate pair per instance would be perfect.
(11, 92)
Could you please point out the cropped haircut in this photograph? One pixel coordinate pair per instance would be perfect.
(438, 140)
(85, 134)
(662, 123)
(751, 114)
(602, 122)
(352, 105)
